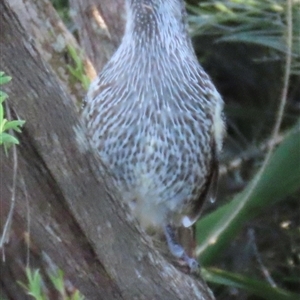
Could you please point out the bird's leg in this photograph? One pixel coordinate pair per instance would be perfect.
(177, 250)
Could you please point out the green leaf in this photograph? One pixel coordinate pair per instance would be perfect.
(280, 178)
(74, 55)
(257, 287)
(258, 37)
(4, 79)
(13, 125)
(3, 96)
(77, 71)
(58, 281)
(34, 286)
(7, 139)
(2, 120)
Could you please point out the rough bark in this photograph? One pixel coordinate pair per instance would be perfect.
(100, 26)
(67, 212)
(52, 39)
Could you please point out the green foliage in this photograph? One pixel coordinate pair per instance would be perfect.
(257, 287)
(77, 70)
(35, 284)
(7, 139)
(216, 230)
(263, 25)
(58, 283)
(62, 7)
(260, 22)
(280, 179)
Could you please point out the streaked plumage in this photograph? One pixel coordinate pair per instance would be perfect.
(154, 116)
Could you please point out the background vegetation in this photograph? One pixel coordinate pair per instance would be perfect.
(244, 45)
(252, 233)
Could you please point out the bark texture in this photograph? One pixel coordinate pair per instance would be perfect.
(67, 213)
(52, 39)
(100, 26)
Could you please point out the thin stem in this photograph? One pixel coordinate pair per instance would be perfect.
(283, 99)
(274, 135)
(4, 236)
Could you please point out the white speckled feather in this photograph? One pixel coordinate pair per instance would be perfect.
(155, 116)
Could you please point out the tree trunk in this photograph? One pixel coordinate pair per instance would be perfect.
(52, 39)
(100, 26)
(67, 212)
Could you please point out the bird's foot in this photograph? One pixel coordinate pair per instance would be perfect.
(191, 263)
(178, 251)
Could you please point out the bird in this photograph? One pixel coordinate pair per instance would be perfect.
(156, 119)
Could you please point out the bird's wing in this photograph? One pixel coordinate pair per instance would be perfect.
(210, 187)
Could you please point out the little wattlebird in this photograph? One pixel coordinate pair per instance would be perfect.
(155, 118)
